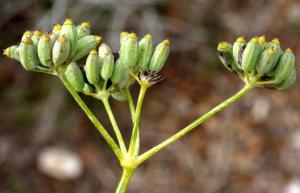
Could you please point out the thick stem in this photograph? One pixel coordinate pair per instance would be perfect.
(194, 124)
(114, 124)
(92, 117)
(134, 142)
(125, 179)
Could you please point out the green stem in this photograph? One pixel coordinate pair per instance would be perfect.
(125, 179)
(131, 104)
(134, 142)
(92, 117)
(114, 124)
(194, 124)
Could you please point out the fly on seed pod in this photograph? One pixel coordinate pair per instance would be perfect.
(159, 56)
(237, 51)
(68, 30)
(85, 45)
(285, 65)
(93, 68)
(83, 30)
(250, 56)
(44, 49)
(28, 55)
(61, 50)
(12, 52)
(145, 52)
(75, 76)
(128, 50)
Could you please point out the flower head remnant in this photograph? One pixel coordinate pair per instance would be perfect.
(259, 62)
(60, 51)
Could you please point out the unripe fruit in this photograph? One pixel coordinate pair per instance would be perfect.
(27, 35)
(93, 68)
(237, 51)
(145, 51)
(28, 55)
(44, 49)
(288, 82)
(61, 50)
(85, 45)
(12, 52)
(159, 56)
(118, 72)
(68, 30)
(75, 76)
(107, 66)
(265, 61)
(128, 50)
(250, 56)
(36, 37)
(225, 55)
(285, 66)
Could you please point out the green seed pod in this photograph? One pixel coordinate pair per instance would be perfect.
(145, 51)
(250, 56)
(75, 76)
(128, 50)
(44, 50)
(265, 62)
(69, 31)
(237, 51)
(61, 50)
(56, 29)
(87, 88)
(118, 73)
(83, 30)
(275, 44)
(262, 42)
(288, 82)
(36, 37)
(27, 34)
(93, 68)
(225, 55)
(12, 52)
(85, 45)
(159, 56)
(107, 66)
(285, 65)
(28, 54)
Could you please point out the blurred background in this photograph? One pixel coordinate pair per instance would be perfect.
(251, 147)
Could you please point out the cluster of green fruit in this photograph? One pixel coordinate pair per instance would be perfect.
(58, 52)
(259, 61)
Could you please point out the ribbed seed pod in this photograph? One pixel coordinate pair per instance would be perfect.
(12, 52)
(69, 31)
(61, 50)
(28, 55)
(237, 50)
(93, 68)
(128, 50)
(288, 82)
(107, 66)
(83, 30)
(159, 56)
(118, 72)
(250, 56)
(27, 34)
(145, 51)
(75, 76)
(36, 37)
(225, 54)
(262, 42)
(265, 62)
(275, 44)
(285, 65)
(85, 45)
(44, 50)
(56, 29)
